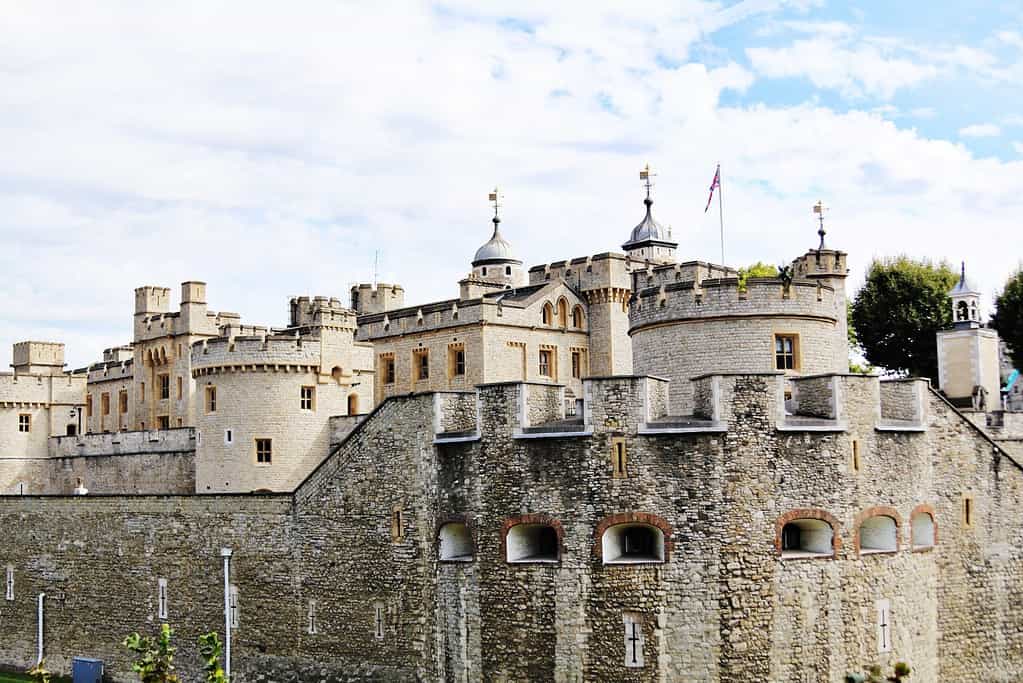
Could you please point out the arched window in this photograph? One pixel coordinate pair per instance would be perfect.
(532, 543)
(632, 544)
(336, 373)
(455, 542)
(962, 311)
(878, 534)
(562, 313)
(548, 314)
(922, 528)
(577, 316)
(353, 404)
(807, 537)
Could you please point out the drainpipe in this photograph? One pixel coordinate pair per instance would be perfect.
(40, 657)
(226, 554)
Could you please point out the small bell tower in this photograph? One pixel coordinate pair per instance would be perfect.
(965, 302)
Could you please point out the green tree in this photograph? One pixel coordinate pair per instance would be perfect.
(154, 658)
(38, 673)
(896, 314)
(210, 650)
(1008, 317)
(758, 269)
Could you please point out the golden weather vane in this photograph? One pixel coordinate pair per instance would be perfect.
(646, 174)
(820, 209)
(496, 196)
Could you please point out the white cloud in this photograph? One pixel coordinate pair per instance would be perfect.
(1018, 146)
(980, 130)
(270, 152)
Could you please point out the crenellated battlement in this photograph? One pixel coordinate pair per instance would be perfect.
(726, 297)
(368, 298)
(255, 353)
(601, 271)
(320, 311)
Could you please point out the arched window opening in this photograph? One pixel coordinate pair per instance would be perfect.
(547, 316)
(336, 373)
(962, 311)
(562, 313)
(632, 544)
(577, 316)
(879, 534)
(455, 543)
(807, 538)
(922, 524)
(532, 543)
(353, 404)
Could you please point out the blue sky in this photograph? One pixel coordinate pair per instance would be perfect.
(272, 150)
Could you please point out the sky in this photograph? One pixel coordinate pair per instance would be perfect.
(281, 149)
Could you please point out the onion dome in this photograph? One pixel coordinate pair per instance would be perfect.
(496, 250)
(649, 231)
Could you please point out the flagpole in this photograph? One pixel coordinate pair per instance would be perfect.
(721, 213)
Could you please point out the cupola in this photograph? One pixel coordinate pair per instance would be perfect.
(965, 302)
(495, 261)
(650, 241)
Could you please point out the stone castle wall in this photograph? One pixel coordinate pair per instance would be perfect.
(359, 537)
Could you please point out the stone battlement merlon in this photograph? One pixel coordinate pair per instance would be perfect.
(600, 271)
(255, 352)
(690, 271)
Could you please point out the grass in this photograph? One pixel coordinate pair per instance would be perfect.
(7, 677)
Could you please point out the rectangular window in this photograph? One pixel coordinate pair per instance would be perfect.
(378, 620)
(9, 592)
(618, 458)
(180, 387)
(397, 524)
(546, 363)
(421, 364)
(211, 399)
(228, 437)
(577, 363)
(88, 405)
(312, 627)
(633, 622)
(968, 511)
(164, 387)
(786, 351)
(456, 360)
(104, 404)
(163, 422)
(387, 368)
(234, 606)
(308, 394)
(884, 626)
(264, 451)
(122, 402)
(142, 392)
(24, 423)
(161, 599)
(855, 456)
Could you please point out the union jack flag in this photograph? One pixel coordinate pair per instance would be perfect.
(714, 184)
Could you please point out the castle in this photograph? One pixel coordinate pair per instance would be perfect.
(615, 467)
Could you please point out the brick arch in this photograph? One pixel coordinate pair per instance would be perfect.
(809, 513)
(878, 511)
(455, 519)
(929, 509)
(632, 518)
(531, 518)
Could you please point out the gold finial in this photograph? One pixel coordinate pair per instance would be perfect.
(819, 209)
(496, 196)
(646, 174)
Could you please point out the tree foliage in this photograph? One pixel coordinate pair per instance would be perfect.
(39, 673)
(154, 658)
(898, 311)
(210, 650)
(1008, 317)
(758, 269)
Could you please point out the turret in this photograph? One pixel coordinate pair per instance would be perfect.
(650, 241)
(494, 266)
(151, 300)
(968, 365)
(38, 358)
(193, 304)
(377, 298)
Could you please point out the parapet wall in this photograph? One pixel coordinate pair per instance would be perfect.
(255, 352)
(690, 299)
(321, 310)
(124, 443)
(601, 271)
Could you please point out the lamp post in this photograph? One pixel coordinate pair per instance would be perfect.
(226, 554)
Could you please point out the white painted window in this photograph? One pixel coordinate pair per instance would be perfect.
(9, 592)
(633, 622)
(878, 534)
(884, 626)
(228, 437)
(632, 544)
(532, 543)
(923, 530)
(378, 620)
(455, 543)
(311, 627)
(234, 606)
(807, 538)
(161, 599)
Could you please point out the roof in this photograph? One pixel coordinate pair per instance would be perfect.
(648, 230)
(964, 286)
(497, 248)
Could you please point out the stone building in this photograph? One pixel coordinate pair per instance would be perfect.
(703, 493)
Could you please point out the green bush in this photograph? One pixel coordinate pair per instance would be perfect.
(154, 659)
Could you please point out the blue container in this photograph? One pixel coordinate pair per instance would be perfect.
(86, 670)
